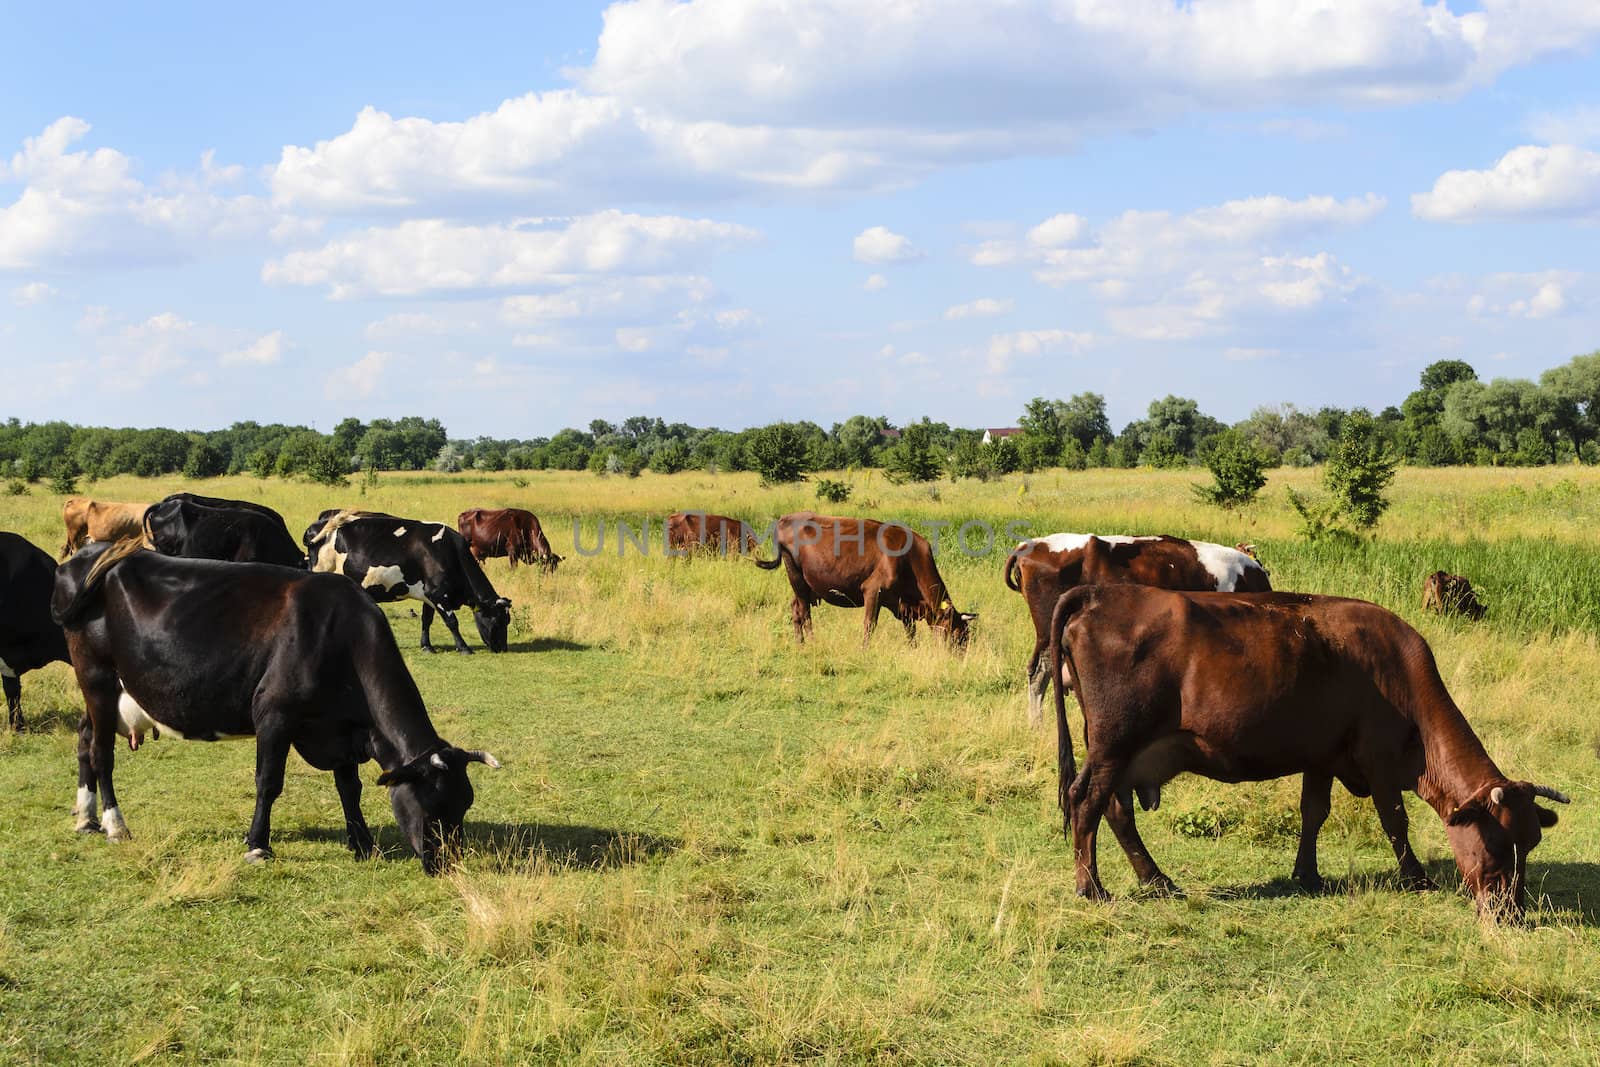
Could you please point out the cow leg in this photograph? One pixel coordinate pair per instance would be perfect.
(427, 621)
(272, 753)
(1392, 814)
(800, 612)
(100, 693)
(1038, 682)
(13, 690)
(869, 616)
(1119, 813)
(85, 810)
(1088, 798)
(1316, 800)
(355, 825)
(454, 627)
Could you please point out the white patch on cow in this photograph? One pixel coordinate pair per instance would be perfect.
(84, 808)
(116, 829)
(383, 577)
(438, 535)
(329, 560)
(401, 532)
(414, 591)
(1225, 565)
(6, 671)
(1066, 542)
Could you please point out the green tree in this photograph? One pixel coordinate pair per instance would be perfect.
(670, 458)
(204, 461)
(1359, 469)
(912, 459)
(778, 453)
(1237, 464)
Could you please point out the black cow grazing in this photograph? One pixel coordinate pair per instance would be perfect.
(206, 650)
(29, 638)
(396, 559)
(197, 527)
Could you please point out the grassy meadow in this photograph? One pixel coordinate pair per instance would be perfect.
(711, 845)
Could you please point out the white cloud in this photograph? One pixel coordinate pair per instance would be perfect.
(875, 282)
(32, 293)
(262, 352)
(1238, 354)
(983, 307)
(1580, 126)
(1174, 277)
(360, 379)
(879, 244)
(85, 209)
(406, 324)
(430, 255)
(1556, 182)
(1005, 347)
(1531, 295)
(633, 339)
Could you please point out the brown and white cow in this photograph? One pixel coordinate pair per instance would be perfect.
(510, 532)
(99, 520)
(700, 531)
(1245, 688)
(867, 564)
(1043, 568)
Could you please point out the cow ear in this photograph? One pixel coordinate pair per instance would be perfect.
(398, 776)
(1467, 813)
(969, 615)
(1547, 818)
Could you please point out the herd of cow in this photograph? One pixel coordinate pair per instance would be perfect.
(202, 618)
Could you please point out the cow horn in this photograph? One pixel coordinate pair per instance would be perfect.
(1551, 794)
(438, 761)
(474, 756)
(1497, 795)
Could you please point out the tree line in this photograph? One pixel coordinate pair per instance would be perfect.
(1452, 417)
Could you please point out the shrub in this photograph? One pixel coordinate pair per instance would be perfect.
(204, 461)
(1005, 459)
(1360, 468)
(971, 459)
(833, 492)
(64, 478)
(670, 458)
(778, 453)
(912, 458)
(1236, 464)
(16, 487)
(1162, 454)
(325, 465)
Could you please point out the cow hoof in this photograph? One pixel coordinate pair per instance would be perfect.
(465, 651)
(120, 833)
(1311, 882)
(1160, 887)
(258, 855)
(1093, 892)
(429, 649)
(1419, 884)
(90, 826)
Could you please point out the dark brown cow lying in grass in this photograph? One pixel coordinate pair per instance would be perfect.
(867, 564)
(701, 531)
(1451, 594)
(1043, 568)
(1244, 688)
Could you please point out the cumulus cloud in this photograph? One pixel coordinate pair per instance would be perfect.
(359, 379)
(262, 352)
(32, 293)
(86, 209)
(983, 307)
(431, 255)
(875, 283)
(1164, 276)
(879, 244)
(407, 324)
(1005, 347)
(1529, 295)
(1531, 182)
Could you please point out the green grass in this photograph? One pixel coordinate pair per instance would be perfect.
(709, 845)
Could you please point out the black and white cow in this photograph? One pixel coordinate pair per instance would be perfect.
(197, 527)
(397, 559)
(29, 638)
(207, 650)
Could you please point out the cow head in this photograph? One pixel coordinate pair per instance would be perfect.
(430, 796)
(952, 623)
(1492, 834)
(493, 620)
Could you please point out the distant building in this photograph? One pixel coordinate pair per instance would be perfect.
(890, 434)
(993, 435)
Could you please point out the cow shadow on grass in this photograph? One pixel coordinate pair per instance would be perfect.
(510, 847)
(1570, 889)
(548, 644)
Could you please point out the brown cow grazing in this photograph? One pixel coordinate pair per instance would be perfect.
(1251, 687)
(509, 532)
(864, 563)
(99, 520)
(1451, 594)
(701, 531)
(1045, 567)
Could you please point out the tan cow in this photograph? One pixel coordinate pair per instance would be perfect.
(99, 520)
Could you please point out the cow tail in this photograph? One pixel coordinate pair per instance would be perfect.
(778, 552)
(1013, 572)
(1061, 656)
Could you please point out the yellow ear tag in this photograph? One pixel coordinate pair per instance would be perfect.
(944, 605)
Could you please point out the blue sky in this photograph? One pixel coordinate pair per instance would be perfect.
(733, 211)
